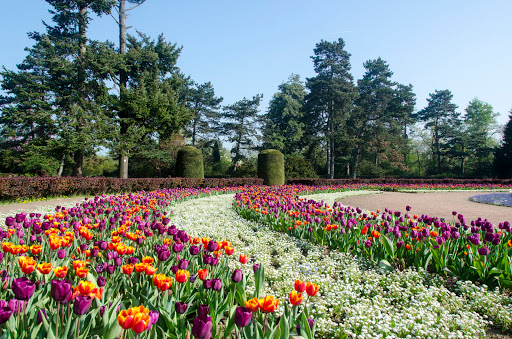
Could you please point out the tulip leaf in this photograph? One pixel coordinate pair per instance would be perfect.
(304, 326)
(35, 331)
(385, 265)
(68, 326)
(260, 281)
(230, 325)
(388, 245)
(49, 332)
(285, 328)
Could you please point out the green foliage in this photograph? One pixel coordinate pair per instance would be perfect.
(217, 161)
(503, 155)
(297, 167)
(241, 126)
(271, 167)
(284, 126)
(99, 166)
(247, 168)
(331, 98)
(189, 163)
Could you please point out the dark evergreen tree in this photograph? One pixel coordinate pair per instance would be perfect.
(241, 125)
(438, 114)
(377, 123)
(204, 106)
(64, 74)
(503, 154)
(284, 126)
(331, 97)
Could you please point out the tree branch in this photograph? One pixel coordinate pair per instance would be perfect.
(129, 9)
(117, 22)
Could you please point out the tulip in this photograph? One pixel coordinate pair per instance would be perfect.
(296, 298)
(202, 274)
(194, 250)
(243, 259)
(268, 304)
(164, 255)
(5, 314)
(300, 286)
(212, 246)
(183, 264)
(180, 307)
(182, 276)
(23, 288)
(141, 321)
(311, 289)
(125, 318)
(102, 281)
(216, 284)
(40, 314)
(207, 284)
(82, 304)
(255, 267)
(237, 275)
(243, 316)
(16, 306)
(128, 269)
(203, 310)
(177, 247)
(201, 327)
(61, 290)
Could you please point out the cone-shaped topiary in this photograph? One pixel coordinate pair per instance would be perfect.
(189, 163)
(271, 167)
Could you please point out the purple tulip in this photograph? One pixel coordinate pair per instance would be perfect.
(40, 314)
(23, 288)
(153, 318)
(82, 304)
(111, 269)
(61, 290)
(164, 255)
(243, 316)
(203, 310)
(237, 275)
(102, 281)
(368, 244)
(177, 247)
(194, 250)
(183, 264)
(483, 250)
(216, 284)
(181, 307)
(255, 267)
(16, 306)
(174, 269)
(214, 261)
(202, 327)
(207, 284)
(5, 314)
(212, 246)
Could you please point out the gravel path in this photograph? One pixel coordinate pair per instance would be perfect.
(436, 204)
(34, 205)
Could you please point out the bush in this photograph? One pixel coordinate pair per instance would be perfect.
(271, 167)
(42, 187)
(189, 163)
(298, 167)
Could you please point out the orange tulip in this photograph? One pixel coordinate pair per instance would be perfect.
(201, 274)
(140, 267)
(127, 269)
(147, 260)
(82, 272)
(36, 249)
(296, 298)
(253, 305)
(45, 268)
(311, 289)
(268, 304)
(125, 318)
(27, 264)
(182, 276)
(229, 250)
(140, 322)
(243, 259)
(300, 286)
(60, 272)
(150, 270)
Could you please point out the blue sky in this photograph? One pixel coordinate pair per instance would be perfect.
(245, 48)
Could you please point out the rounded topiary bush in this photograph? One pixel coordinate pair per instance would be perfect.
(271, 167)
(189, 163)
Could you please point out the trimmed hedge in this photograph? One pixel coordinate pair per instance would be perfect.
(43, 187)
(271, 167)
(189, 163)
(328, 182)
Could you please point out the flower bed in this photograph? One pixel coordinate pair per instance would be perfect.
(498, 199)
(117, 266)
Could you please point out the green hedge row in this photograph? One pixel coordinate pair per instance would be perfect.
(42, 187)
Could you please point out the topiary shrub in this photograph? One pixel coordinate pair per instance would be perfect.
(271, 167)
(189, 163)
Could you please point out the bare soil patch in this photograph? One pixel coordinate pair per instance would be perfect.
(435, 204)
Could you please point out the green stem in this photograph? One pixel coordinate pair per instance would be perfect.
(78, 328)
(57, 322)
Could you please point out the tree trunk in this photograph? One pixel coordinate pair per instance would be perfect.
(355, 162)
(61, 167)
(123, 80)
(79, 161)
(332, 145)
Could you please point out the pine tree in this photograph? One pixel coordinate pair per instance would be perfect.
(284, 125)
(503, 154)
(241, 125)
(331, 97)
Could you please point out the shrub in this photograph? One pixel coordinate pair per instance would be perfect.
(189, 163)
(298, 167)
(271, 167)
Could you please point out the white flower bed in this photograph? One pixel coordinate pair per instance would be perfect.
(355, 298)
